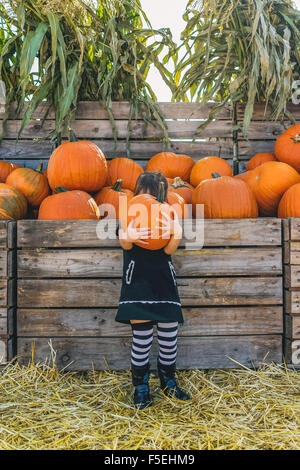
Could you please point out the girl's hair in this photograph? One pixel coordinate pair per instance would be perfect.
(148, 182)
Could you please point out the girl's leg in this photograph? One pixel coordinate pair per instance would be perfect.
(166, 363)
(141, 345)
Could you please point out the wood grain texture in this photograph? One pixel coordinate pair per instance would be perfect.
(203, 353)
(292, 327)
(121, 110)
(262, 113)
(3, 351)
(217, 232)
(268, 130)
(109, 263)
(3, 233)
(197, 322)
(292, 302)
(3, 322)
(248, 148)
(97, 129)
(295, 229)
(105, 292)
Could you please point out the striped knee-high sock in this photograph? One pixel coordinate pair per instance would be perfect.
(141, 343)
(167, 340)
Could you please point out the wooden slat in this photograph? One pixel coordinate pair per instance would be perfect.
(29, 149)
(295, 229)
(3, 233)
(3, 263)
(197, 321)
(3, 322)
(109, 263)
(292, 327)
(248, 148)
(3, 351)
(4, 301)
(260, 112)
(218, 232)
(121, 110)
(292, 276)
(269, 130)
(91, 129)
(105, 293)
(193, 352)
(294, 253)
(292, 302)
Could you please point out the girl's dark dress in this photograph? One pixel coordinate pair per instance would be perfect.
(149, 289)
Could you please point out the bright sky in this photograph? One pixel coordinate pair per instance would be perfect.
(162, 14)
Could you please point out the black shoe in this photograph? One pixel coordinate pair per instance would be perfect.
(140, 379)
(168, 383)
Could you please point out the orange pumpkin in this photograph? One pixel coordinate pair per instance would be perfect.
(225, 197)
(13, 204)
(178, 203)
(32, 183)
(125, 169)
(259, 159)
(244, 176)
(111, 195)
(151, 210)
(287, 147)
(69, 205)
(204, 168)
(182, 188)
(289, 205)
(77, 165)
(5, 169)
(269, 182)
(171, 165)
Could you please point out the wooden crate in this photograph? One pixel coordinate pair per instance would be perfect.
(292, 291)
(231, 290)
(7, 288)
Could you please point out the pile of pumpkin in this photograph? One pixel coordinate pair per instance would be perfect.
(79, 181)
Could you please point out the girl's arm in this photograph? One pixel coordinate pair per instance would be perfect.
(130, 235)
(172, 229)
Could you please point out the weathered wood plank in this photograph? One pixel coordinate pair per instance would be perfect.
(193, 352)
(268, 130)
(4, 263)
(105, 292)
(261, 113)
(197, 321)
(93, 129)
(294, 253)
(292, 276)
(3, 350)
(248, 148)
(295, 229)
(3, 233)
(292, 327)
(217, 232)
(4, 292)
(29, 149)
(121, 110)
(3, 322)
(109, 263)
(292, 302)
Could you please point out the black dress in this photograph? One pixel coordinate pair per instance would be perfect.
(149, 289)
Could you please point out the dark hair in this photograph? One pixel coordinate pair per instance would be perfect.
(148, 182)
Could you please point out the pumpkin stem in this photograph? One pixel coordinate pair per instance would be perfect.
(60, 189)
(72, 136)
(118, 185)
(40, 168)
(161, 192)
(216, 175)
(178, 183)
(296, 139)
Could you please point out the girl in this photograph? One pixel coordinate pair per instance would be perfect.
(149, 296)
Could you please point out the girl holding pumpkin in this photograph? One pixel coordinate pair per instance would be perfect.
(149, 294)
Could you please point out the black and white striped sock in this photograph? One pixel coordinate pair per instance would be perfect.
(167, 340)
(141, 343)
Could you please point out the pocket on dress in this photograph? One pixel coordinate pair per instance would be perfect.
(173, 272)
(129, 272)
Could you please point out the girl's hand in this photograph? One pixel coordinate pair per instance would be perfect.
(132, 234)
(171, 227)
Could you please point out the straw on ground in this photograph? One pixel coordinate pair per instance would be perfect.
(42, 408)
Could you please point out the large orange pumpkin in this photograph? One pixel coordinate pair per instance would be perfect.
(5, 169)
(204, 168)
(269, 182)
(77, 165)
(244, 176)
(289, 205)
(171, 165)
(259, 159)
(146, 218)
(225, 197)
(69, 205)
(125, 169)
(32, 183)
(287, 147)
(13, 204)
(111, 195)
(182, 188)
(178, 203)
